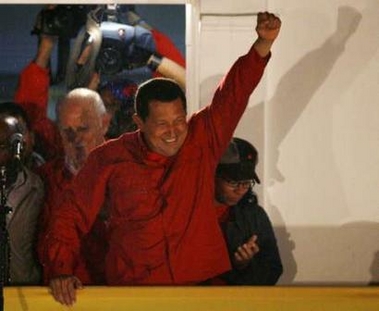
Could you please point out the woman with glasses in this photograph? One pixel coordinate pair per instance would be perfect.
(247, 229)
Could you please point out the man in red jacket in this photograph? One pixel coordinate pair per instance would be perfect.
(158, 185)
(82, 122)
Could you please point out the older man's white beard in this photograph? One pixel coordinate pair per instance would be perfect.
(74, 164)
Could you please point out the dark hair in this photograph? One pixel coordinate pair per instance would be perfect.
(15, 110)
(161, 89)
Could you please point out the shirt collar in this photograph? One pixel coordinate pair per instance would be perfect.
(150, 157)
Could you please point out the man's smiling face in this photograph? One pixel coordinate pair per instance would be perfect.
(165, 129)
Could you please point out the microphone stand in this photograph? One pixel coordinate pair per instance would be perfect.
(4, 237)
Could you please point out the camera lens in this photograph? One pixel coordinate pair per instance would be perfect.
(109, 60)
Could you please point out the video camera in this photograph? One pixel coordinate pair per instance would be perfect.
(63, 21)
(116, 45)
(123, 47)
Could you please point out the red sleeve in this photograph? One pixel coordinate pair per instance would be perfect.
(33, 90)
(56, 181)
(59, 251)
(165, 47)
(72, 217)
(32, 94)
(230, 100)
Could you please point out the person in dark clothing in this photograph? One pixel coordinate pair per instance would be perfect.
(22, 193)
(247, 228)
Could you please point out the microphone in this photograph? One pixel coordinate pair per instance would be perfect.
(17, 145)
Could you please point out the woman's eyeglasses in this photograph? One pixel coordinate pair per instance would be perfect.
(245, 184)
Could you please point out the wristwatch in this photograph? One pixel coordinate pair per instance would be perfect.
(154, 61)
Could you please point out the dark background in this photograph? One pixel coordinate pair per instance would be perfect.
(18, 46)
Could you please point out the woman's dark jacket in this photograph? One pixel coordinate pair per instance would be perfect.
(248, 218)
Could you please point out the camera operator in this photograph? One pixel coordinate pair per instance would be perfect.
(118, 43)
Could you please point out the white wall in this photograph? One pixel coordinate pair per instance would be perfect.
(314, 120)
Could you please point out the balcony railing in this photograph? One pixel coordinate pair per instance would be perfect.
(199, 299)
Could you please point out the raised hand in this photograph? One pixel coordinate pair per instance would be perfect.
(268, 27)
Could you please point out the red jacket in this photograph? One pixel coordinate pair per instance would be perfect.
(163, 227)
